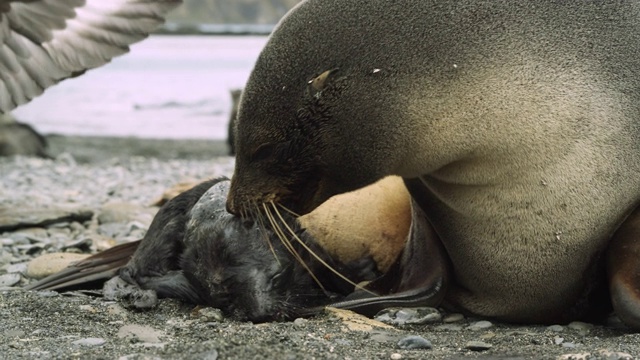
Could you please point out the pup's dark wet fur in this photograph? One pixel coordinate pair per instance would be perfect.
(196, 251)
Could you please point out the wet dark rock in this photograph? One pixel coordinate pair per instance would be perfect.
(17, 218)
(84, 245)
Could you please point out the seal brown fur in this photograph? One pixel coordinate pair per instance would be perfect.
(517, 124)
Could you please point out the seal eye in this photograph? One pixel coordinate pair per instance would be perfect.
(263, 152)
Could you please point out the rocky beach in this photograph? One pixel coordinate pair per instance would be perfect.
(99, 192)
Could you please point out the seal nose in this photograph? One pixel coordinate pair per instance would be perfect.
(231, 206)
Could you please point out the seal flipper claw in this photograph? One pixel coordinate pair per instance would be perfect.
(418, 278)
(623, 267)
(132, 295)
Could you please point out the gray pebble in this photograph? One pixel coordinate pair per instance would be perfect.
(140, 333)
(343, 342)
(139, 357)
(383, 337)
(449, 327)
(558, 340)
(9, 279)
(89, 342)
(300, 322)
(477, 346)
(83, 244)
(17, 268)
(451, 318)
(207, 355)
(209, 314)
(568, 345)
(555, 328)
(414, 342)
(580, 326)
(14, 333)
(47, 293)
(480, 325)
(409, 316)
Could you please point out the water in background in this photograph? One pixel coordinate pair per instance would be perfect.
(173, 87)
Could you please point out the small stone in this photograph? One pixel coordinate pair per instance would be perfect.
(25, 217)
(568, 345)
(14, 333)
(89, 342)
(580, 326)
(88, 308)
(83, 244)
(116, 309)
(611, 355)
(477, 346)
(480, 325)
(395, 356)
(7, 280)
(207, 355)
(414, 342)
(449, 327)
(17, 268)
(48, 264)
(209, 314)
(558, 340)
(140, 333)
(300, 322)
(47, 293)
(488, 336)
(409, 316)
(555, 328)
(582, 356)
(451, 318)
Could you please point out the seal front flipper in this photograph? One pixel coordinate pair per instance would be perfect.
(100, 266)
(418, 278)
(623, 267)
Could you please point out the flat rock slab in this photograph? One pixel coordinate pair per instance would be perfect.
(48, 264)
(17, 218)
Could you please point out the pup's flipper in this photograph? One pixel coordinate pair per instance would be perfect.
(101, 266)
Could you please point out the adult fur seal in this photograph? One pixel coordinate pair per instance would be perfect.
(196, 251)
(515, 124)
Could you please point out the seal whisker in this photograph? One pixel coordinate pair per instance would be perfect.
(287, 243)
(316, 256)
(293, 213)
(257, 214)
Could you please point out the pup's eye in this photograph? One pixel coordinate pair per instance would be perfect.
(263, 152)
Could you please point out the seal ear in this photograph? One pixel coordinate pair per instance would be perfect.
(320, 82)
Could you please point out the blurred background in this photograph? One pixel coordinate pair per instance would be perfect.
(174, 85)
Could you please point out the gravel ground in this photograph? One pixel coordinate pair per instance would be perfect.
(107, 186)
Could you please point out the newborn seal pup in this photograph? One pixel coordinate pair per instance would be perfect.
(45, 41)
(515, 124)
(196, 251)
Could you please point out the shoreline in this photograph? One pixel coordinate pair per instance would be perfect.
(96, 149)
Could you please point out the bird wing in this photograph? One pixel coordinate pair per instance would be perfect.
(45, 41)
